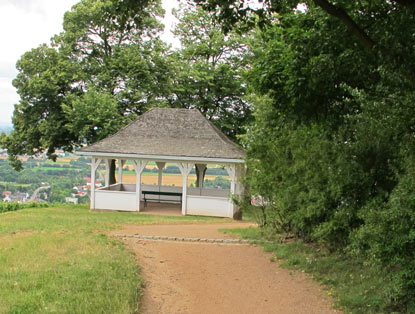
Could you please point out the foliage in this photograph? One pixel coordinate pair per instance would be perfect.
(381, 28)
(218, 183)
(331, 146)
(394, 221)
(208, 71)
(96, 75)
(60, 177)
(13, 206)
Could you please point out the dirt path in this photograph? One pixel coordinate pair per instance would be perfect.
(203, 278)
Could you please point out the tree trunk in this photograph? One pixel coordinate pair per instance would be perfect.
(197, 175)
(112, 172)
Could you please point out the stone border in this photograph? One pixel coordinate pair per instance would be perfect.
(183, 239)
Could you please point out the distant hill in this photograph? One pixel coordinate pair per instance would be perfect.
(6, 128)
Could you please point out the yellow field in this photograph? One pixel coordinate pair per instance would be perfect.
(168, 179)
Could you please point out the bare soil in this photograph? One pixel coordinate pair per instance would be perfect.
(204, 278)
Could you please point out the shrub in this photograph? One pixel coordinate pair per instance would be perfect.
(12, 206)
(388, 239)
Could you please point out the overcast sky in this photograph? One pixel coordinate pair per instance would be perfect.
(25, 24)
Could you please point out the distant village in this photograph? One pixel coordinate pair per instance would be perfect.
(42, 192)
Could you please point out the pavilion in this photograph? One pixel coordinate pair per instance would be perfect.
(181, 136)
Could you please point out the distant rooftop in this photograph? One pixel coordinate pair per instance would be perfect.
(169, 132)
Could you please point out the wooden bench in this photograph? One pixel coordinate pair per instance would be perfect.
(161, 193)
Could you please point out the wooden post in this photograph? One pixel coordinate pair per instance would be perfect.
(139, 166)
(94, 165)
(185, 169)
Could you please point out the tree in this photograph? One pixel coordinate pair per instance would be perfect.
(105, 65)
(331, 147)
(384, 28)
(209, 71)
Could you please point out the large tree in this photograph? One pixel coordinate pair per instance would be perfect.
(332, 145)
(209, 70)
(384, 28)
(100, 72)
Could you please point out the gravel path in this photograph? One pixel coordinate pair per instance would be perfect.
(193, 277)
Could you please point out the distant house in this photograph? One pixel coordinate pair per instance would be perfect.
(98, 184)
(71, 200)
(16, 197)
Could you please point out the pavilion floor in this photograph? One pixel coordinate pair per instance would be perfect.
(165, 209)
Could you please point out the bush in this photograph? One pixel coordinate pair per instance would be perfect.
(388, 239)
(12, 206)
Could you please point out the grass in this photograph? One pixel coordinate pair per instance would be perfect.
(59, 260)
(356, 288)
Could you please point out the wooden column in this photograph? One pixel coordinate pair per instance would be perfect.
(94, 165)
(139, 166)
(185, 169)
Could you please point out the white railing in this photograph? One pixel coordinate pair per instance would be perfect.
(204, 202)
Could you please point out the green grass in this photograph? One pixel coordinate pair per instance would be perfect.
(59, 260)
(356, 288)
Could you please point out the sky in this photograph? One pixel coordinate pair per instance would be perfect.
(26, 24)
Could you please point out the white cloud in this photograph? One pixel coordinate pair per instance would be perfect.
(24, 24)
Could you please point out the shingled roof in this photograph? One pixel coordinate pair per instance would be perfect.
(168, 132)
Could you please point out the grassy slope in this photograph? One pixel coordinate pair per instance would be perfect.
(58, 260)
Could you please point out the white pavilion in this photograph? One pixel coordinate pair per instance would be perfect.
(180, 136)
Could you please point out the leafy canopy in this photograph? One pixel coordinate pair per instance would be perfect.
(104, 65)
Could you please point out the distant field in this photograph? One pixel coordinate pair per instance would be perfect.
(168, 178)
(14, 184)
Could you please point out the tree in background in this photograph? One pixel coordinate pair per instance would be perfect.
(97, 75)
(108, 66)
(209, 70)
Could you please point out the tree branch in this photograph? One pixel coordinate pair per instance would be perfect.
(341, 14)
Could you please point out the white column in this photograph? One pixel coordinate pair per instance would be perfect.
(107, 172)
(94, 165)
(231, 169)
(120, 165)
(239, 175)
(185, 169)
(139, 166)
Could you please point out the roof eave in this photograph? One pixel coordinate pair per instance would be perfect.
(163, 157)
